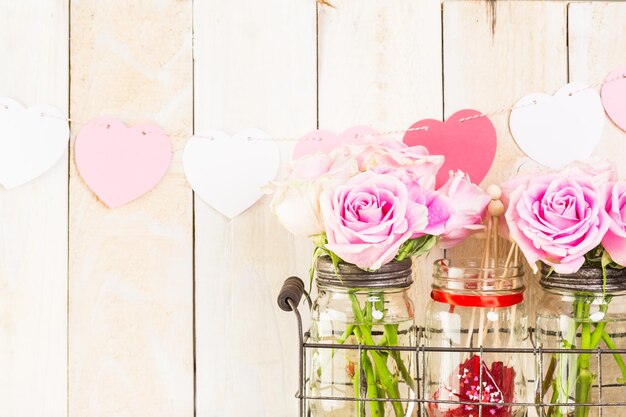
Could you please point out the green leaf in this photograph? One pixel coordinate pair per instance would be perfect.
(319, 240)
(335, 259)
(606, 261)
(317, 252)
(416, 247)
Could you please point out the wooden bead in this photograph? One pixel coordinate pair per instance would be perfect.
(494, 191)
(496, 208)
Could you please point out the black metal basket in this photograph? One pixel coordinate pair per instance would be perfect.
(292, 292)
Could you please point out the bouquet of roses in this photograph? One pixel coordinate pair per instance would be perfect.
(369, 204)
(572, 219)
(373, 202)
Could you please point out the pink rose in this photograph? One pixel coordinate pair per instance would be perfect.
(615, 238)
(598, 171)
(383, 141)
(310, 167)
(369, 218)
(438, 205)
(392, 154)
(469, 203)
(557, 221)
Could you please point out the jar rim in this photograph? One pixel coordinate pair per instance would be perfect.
(588, 279)
(468, 276)
(463, 267)
(395, 274)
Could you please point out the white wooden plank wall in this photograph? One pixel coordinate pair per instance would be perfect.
(166, 308)
(130, 269)
(34, 69)
(254, 67)
(597, 41)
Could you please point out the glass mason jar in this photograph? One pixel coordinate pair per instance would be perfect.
(367, 308)
(582, 311)
(472, 307)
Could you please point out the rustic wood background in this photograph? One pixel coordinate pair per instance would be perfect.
(163, 307)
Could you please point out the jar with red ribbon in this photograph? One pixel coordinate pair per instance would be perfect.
(473, 306)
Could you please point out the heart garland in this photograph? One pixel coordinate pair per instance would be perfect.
(325, 141)
(613, 93)
(31, 141)
(467, 140)
(559, 129)
(118, 163)
(228, 173)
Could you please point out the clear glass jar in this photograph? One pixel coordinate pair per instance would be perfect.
(367, 308)
(472, 307)
(582, 311)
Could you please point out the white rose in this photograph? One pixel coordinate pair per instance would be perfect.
(296, 201)
(297, 207)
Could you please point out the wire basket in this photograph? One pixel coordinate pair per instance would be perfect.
(292, 292)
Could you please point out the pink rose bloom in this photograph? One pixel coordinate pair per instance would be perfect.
(369, 218)
(557, 221)
(438, 205)
(383, 141)
(614, 240)
(598, 171)
(392, 154)
(469, 203)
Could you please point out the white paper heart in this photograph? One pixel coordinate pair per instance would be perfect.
(228, 173)
(31, 141)
(556, 130)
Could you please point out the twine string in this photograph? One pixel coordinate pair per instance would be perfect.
(81, 123)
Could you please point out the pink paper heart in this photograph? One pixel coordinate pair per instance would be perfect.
(468, 145)
(119, 163)
(613, 95)
(325, 140)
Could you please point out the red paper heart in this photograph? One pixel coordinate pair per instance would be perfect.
(325, 140)
(468, 145)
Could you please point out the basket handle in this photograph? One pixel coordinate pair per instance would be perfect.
(292, 289)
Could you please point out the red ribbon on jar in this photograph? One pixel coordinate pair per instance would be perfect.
(487, 301)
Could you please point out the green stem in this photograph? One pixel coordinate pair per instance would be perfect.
(345, 335)
(391, 334)
(596, 336)
(584, 376)
(553, 400)
(356, 381)
(342, 339)
(562, 382)
(599, 333)
(405, 251)
(547, 381)
(376, 407)
(368, 312)
(583, 386)
(618, 358)
(386, 378)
